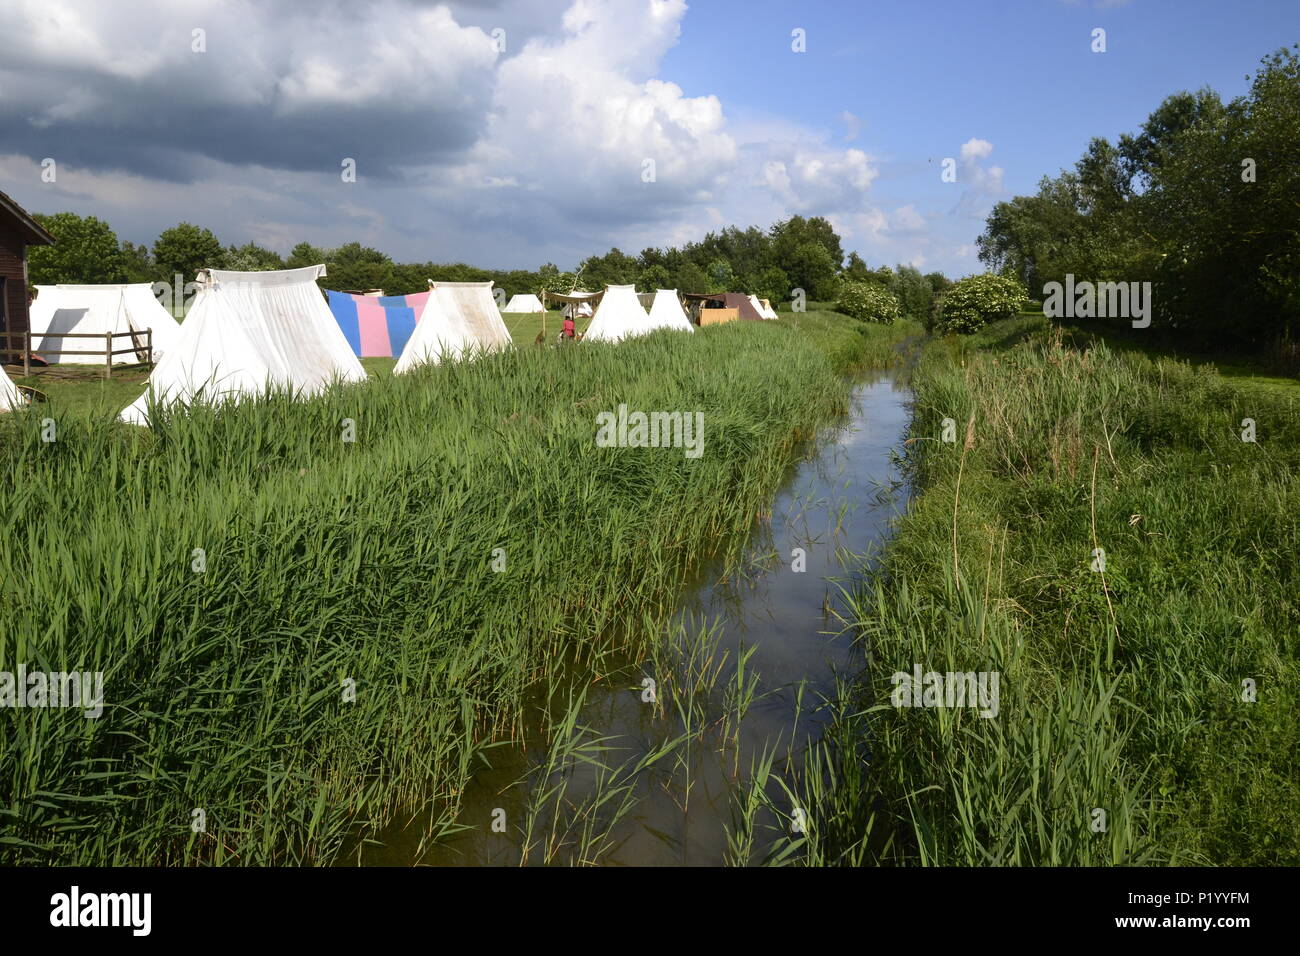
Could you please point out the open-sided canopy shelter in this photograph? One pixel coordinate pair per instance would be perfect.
(376, 325)
(76, 310)
(577, 303)
(247, 331)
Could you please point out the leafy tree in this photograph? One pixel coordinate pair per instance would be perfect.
(691, 278)
(305, 254)
(138, 264)
(867, 301)
(913, 293)
(791, 234)
(856, 270)
(185, 249)
(613, 268)
(553, 280)
(354, 266)
(655, 277)
(721, 278)
(250, 257)
(772, 284)
(85, 251)
(939, 282)
(976, 301)
(1200, 202)
(811, 267)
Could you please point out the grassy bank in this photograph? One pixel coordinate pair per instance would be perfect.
(329, 565)
(1121, 688)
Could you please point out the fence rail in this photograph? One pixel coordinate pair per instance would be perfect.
(107, 351)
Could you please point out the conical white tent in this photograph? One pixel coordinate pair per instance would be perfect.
(524, 303)
(667, 313)
(10, 397)
(618, 316)
(247, 331)
(96, 309)
(459, 320)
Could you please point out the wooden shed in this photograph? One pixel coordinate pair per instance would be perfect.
(18, 230)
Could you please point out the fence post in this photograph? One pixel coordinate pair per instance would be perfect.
(27, 351)
(108, 355)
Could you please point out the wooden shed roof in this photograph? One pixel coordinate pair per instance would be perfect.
(37, 235)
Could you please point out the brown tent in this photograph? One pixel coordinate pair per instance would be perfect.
(699, 302)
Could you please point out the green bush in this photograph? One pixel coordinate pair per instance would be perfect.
(867, 301)
(976, 301)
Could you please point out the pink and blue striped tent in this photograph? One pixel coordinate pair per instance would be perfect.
(376, 325)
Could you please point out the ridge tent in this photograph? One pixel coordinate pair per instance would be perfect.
(60, 310)
(247, 331)
(701, 304)
(758, 307)
(376, 325)
(738, 300)
(477, 309)
(618, 316)
(10, 397)
(524, 303)
(460, 320)
(666, 312)
(440, 334)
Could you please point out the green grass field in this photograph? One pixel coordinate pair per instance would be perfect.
(1126, 687)
(1147, 703)
(236, 576)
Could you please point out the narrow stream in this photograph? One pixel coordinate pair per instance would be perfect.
(752, 658)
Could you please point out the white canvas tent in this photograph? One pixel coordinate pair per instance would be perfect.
(459, 320)
(667, 313)
(524, 303)
(10, 397)
(765, 312)
(247, 331)
(618, 316)
(478, 310)
(96, 309)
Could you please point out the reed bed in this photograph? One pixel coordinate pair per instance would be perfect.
(1124, 688)
(345, 645)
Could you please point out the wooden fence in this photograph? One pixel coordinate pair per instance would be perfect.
(142, 344)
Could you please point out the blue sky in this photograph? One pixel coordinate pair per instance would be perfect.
(510, 158)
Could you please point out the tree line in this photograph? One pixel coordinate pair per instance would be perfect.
(796, 253)
(1203, 202)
